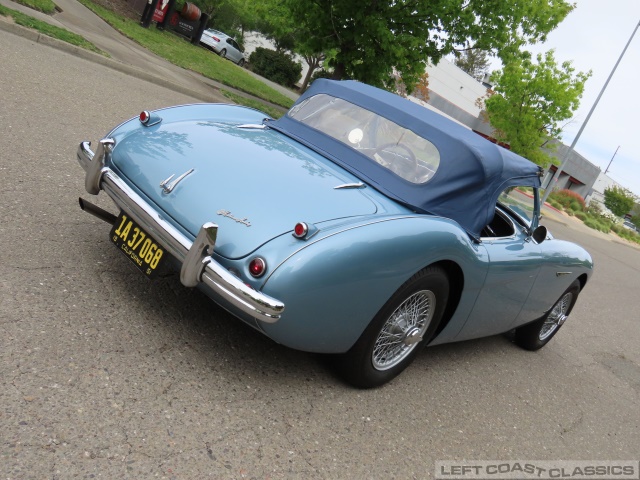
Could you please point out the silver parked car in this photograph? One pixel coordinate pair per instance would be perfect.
(223, 45)
(629, 225)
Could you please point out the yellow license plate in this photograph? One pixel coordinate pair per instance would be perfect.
(137, 245)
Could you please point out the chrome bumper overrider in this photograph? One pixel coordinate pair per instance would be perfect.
(197, 264)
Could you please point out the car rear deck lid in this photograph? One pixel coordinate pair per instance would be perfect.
(255, 184)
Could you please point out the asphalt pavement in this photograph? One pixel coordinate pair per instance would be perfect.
(126, 56)
(104, 374)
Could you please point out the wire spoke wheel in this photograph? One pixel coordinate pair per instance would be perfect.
(402, 327)
(556, 317)
(403, 330)
(535, 335)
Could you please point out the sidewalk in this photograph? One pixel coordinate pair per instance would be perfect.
(125, 55)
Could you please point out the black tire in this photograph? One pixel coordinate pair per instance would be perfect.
(373, 360)
(241, 62)
(223, 53)
(536, 335)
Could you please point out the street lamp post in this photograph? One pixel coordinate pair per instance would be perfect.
(584, 124)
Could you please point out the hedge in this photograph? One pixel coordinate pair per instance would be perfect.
(278, 67)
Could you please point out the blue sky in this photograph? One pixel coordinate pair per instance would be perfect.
(593, 37)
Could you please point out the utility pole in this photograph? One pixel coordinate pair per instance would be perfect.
(614, 156)
(584, 124)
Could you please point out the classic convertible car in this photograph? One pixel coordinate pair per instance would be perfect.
(359, 224)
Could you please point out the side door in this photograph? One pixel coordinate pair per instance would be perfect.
(514, 264)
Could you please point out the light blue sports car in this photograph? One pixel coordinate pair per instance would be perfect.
(359, 224)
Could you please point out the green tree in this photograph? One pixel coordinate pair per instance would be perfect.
(473, 61)
(375, 41)
(314, 61)
(233, 17)
(530, 99)
(619, 200)
(420, 90)
(278, 26)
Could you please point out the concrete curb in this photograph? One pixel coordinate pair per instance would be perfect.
(97, 58)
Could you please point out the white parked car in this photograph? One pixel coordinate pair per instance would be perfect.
(223, 45)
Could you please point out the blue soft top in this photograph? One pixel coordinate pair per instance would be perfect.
(472, 172)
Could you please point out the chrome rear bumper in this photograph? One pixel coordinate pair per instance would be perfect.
(198, 266)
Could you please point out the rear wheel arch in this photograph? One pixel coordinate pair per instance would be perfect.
(399, 331)
(456, 285)
(583, 280)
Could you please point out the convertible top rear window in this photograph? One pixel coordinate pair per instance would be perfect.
(399, 148)
(396, 148)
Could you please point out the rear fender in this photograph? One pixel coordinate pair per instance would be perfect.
(334, 286)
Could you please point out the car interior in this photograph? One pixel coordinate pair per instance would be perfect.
(500, 226)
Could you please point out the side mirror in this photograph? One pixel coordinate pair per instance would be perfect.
(540, 234)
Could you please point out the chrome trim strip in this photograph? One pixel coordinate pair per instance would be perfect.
(350, 185)
(213, 275)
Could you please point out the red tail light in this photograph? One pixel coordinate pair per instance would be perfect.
(300, 230)
(148, 119)
(257, 267)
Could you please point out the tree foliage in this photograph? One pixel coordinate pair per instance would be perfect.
(619, 200)
(473, 61)
(371, 41)
(420, 90)
(278, 26)
(233, 17)
(530, 99)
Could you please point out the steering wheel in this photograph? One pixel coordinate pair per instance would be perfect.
(403, 166)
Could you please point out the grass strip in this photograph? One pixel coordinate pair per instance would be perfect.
(181, 52)
(49, 30)
(44, 6)
(273, 112)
